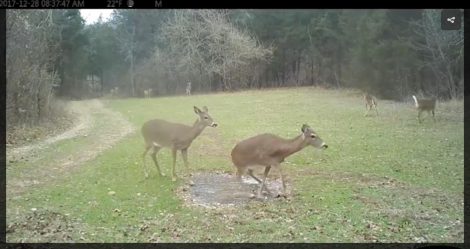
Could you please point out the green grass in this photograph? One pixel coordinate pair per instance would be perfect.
(63, 147)
(383, 178)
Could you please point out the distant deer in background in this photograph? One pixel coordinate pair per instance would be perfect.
(114, 91)
(148, 93)
(159, 133)
(370, 101)
(422, 105)
(268, 150)
(188, 88)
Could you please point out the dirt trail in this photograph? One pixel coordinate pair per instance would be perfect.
(76, 108)
(104, 138)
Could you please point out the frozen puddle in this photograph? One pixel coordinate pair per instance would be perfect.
(221, 189)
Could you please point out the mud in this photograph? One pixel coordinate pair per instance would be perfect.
(213, 190)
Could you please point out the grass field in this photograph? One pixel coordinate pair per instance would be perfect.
(385, 178)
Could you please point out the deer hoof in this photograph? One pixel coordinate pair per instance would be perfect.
(191, 183)
(173, 179)
(284, 195)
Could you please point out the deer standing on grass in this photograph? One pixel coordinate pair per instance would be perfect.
(428, 105)
(148, 93)
(114, 91)
(159, 133)
(268, 150)
(370, 101)
(188, 89)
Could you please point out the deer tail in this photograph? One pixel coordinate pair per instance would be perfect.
(416, 101)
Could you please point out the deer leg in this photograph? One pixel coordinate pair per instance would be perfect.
(154, 157)
(184, 154)
(266, 171)
(250, 172)
(239, 174)
(173, 153)
(419, 116)
(147, 148)
(376, 111)
(283, 182)
(433, 116)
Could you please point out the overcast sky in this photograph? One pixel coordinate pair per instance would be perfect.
(91, 15)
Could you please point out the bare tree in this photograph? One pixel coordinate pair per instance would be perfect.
(205, 41)
(444, 52)
(30, 75)
(127, 42)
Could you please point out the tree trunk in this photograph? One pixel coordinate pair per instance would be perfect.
(319, 72)
(132, 62)
(312, 72)
(101, 83)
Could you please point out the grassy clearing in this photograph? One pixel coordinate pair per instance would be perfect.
(383, 178)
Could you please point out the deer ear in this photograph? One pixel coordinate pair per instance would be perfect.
(304, 127)
(205, 109)
(197, 110)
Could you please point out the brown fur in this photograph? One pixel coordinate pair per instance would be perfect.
(428, 105)
(268, 150)
(159, 133)
(370, 101)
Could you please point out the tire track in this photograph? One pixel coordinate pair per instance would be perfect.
(61, 164)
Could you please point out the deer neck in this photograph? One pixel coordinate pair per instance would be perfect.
(197, 128)
(295, 144)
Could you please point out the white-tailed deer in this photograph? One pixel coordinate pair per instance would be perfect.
(159, 133)
(268, 150)
(188, 88)
(148, 93)
(114, 91)
(428, 105)
(370, 101)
